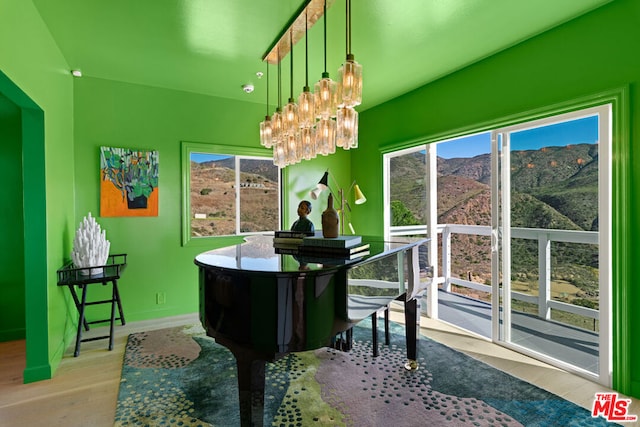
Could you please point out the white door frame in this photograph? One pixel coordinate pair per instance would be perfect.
(501, 235)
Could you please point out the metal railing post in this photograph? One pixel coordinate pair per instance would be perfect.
(446, 258)
(544, 276)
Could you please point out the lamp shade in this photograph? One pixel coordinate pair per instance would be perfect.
(326, 97)
(276, 126)
(323, 184)
(306, 108)
(290, 118)
(350, 83)
(315, 193)
(326, 136)
(358, 195)
(279, 154)
(266, 135)
(307, 143)
(347, 128)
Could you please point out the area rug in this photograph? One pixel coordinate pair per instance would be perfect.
(181, 377)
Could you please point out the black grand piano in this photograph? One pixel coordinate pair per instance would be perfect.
(261, 304)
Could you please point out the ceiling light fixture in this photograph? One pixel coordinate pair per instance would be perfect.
(326, 91)
(266, 135)
(290, 117)
(306, 106)
(279, 147)
(325, 117)
(76, 73)
(349, 94)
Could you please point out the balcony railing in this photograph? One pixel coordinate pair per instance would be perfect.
(544, 238)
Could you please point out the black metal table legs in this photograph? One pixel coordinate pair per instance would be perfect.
(81, 304)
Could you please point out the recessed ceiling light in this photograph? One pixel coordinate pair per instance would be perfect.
(259, 74)
(76, 73)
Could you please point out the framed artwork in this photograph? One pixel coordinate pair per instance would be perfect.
(128, 182)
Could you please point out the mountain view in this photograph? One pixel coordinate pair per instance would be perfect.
(552, 188)
(213, 200)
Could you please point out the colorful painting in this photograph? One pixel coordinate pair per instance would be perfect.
(128, 182)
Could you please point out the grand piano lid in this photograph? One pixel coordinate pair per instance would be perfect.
(258, 254)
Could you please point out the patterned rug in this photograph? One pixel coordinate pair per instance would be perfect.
(180, 377)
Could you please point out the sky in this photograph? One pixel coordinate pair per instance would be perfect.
(203, 157)
(578, 131)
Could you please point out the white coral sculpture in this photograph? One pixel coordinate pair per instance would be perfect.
(90, 246)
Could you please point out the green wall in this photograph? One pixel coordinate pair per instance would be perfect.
(12, 291)
(594, 53)
(116, 114)
(35, 77)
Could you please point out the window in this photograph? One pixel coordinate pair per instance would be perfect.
(540, 186)
(227, 194)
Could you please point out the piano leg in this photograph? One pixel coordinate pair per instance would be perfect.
(251, 390)
(411, 318)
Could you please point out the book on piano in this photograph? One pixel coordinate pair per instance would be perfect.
(333, 252)
(293, 234)
(330, 260)
(332, 242)
(290, 237)
(283, 249)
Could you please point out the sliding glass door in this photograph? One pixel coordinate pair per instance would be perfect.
(550, 239)
(520, 221)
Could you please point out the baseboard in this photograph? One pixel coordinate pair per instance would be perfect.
(37, 373)
(635, 389)
(13, 334)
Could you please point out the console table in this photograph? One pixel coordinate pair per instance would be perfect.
(81, 277)
(262, 305)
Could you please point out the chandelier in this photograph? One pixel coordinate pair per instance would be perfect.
(323, 119)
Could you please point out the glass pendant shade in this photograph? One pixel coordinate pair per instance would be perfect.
(276, 126)
(326, 136)
(326, 94)
(324, 116)
(279, 155)
(350, 82)
(266, 134)
(347, 128)
(306, 108)
(290, 118)
(307, 143)
(292, 148)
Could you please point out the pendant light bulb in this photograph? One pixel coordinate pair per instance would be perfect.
(326, 136)
(350, 73)
(306, 100)
(266, 131)
(347, 128)
(350, 80)
(290, 114)
(326, 90)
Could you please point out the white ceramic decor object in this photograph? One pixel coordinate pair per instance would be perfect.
(90, 246)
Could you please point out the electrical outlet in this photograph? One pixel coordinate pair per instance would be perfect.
(161, 298)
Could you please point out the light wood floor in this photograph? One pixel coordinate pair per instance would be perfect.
(84, 390)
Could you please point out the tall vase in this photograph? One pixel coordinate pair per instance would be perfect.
(90, 246)
(330, 220)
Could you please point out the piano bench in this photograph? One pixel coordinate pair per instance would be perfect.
(345, 342)
(374, 330)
